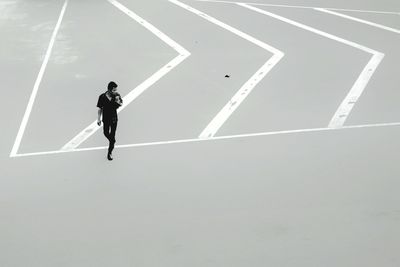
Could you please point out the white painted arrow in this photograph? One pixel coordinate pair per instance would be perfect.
(246, 89)
(355, 92)
(183, 54)
(35, 89)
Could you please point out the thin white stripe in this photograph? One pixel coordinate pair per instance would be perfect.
(358, 87)
(151, 28)
(31, 101)
(299, 131)
(306, 7)
(228, 27)
(224, 114)
(131, 96)
(309, 28)
(380, 26)
(254, 4)
(366, 11)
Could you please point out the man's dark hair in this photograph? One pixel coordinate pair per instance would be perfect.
(111, 85)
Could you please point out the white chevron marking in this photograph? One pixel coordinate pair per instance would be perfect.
(355, 92)
(224, 114)
(35, 90)
(183, 54)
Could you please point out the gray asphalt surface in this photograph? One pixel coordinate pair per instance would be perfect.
(325, 198)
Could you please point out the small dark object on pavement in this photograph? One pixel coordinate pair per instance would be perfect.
(227, 76)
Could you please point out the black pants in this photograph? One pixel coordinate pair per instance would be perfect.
(109, 128)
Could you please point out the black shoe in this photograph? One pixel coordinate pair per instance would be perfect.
(109, 156)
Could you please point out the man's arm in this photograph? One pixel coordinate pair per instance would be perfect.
(100, 105)
(99, 113)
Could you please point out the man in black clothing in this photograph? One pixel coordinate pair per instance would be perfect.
(108, 104)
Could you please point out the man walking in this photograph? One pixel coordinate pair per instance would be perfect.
(108, 104)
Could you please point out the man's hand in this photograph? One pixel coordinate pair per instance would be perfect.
(99, 122)
(118, 99)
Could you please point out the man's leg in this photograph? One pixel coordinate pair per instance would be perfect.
(106, 129)
(113, 127)
(107, 126)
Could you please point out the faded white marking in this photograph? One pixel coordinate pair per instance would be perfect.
(224, 114)
(43, 26)
(355, 92)
(182, 141)
(79, 76)
(65, 52)
(29, 107)
(10, 11)
(380, 26)
(183, 54)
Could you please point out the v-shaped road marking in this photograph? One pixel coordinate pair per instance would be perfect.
(28, 110)
(182, 55)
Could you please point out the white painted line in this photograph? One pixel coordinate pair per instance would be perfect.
(380, 26)
(182, 51)
(366, 11)
(348, 103)
(311, 29)
(255, 4)
(304, 7)
(182, 141)
(32, 98)
(354, 94)
(183, 54)
(227, 27)
(239, 97)
(224, 114)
